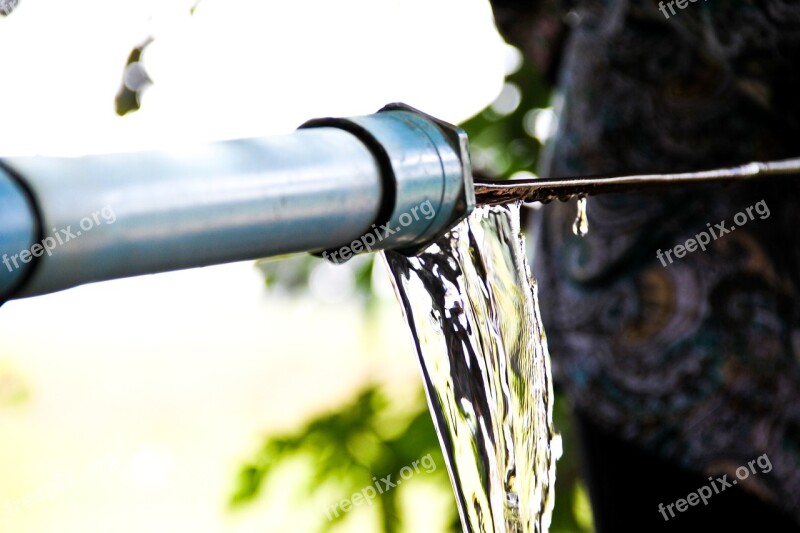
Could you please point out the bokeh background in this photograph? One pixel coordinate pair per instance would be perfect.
(247, 397)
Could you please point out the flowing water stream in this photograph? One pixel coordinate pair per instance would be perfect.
(472, 311)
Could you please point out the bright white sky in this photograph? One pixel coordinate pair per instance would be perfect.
(235, 68)
(147, 393)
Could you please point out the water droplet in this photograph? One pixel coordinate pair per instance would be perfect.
(581, 225)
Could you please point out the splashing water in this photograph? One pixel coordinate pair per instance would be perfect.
(471, 307)
(581, 225)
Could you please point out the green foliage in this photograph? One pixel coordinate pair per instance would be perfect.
(571, 513)
(364, 438)
(500, 144)
(290, 275)
(347, 448)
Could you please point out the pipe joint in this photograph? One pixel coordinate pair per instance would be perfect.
(426, 175)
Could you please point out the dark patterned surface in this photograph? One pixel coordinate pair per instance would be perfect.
(697, 361)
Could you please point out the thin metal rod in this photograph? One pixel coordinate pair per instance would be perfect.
(493, 192)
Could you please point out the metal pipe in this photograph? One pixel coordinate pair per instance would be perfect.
(70, 221)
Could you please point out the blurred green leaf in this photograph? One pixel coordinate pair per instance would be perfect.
(347, 448)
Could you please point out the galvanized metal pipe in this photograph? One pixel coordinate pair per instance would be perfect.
(113, 216)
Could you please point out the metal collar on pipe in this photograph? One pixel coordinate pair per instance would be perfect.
(20, 229)
(426, 174)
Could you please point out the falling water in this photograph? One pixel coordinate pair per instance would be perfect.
(471, 307)
(581, 225)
